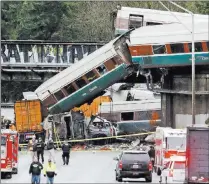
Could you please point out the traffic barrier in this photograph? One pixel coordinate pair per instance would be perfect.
(98, 138)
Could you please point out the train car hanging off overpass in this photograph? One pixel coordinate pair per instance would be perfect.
(88, 78)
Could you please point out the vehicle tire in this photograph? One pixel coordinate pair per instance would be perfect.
(2, 175)
(148, 180)
(119, 179)
(15, 171)
(9, 175)
(158, 171)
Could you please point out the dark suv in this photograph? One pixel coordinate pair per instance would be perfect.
(133, 164)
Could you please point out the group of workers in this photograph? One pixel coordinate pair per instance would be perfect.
(49, 170)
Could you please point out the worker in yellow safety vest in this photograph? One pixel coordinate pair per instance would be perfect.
(50, 172)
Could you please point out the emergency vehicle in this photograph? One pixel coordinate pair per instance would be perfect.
(9, 152)
(175, 172)
(168, 142)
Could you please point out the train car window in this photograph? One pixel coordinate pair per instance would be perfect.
(80, 82)
(117, 60)
(110, 64)
(159, 114)
(197, 47)
(135, 21)
(177, 48)
(207, 45)
(101, 69)
(159, 49)
(126, 116)
(70, 89)
(153, 23)
(91, 76)
(143, 115)
(114, 62)
(59, 95)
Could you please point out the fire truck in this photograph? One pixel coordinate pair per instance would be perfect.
(9, 152)
(169, 142)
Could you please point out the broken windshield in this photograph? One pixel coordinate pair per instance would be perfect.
(176, 143)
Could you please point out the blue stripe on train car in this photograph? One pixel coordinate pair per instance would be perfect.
(171, 60)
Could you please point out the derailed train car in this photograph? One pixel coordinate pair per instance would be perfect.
(88, 78)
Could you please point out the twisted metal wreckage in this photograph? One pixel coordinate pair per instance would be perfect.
(74, 125)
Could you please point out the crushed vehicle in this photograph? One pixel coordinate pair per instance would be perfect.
(100, 127)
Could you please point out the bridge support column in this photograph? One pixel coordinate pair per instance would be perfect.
(176, 96)
(166, 102)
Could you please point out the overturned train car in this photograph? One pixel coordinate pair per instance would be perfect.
(88, 78)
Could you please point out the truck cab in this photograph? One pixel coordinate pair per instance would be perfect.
(9, 152)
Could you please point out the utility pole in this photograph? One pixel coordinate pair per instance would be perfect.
(193, 56)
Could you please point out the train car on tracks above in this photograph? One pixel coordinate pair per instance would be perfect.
(127, 18)
(164, 46)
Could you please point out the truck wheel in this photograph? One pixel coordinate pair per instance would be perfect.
(2, 175)
(15, 171)
(9, 175)
(158, 171)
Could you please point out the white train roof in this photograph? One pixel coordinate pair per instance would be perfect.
(151, 15)
(162, 34)
(130, 106)
(76, 70)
